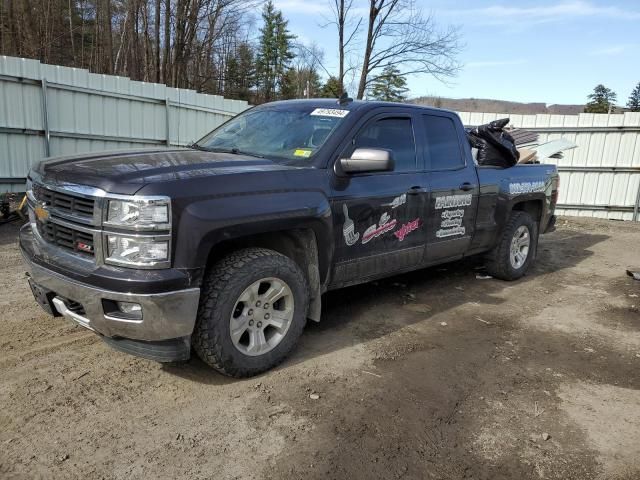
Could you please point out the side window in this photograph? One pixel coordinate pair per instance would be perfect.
(395, 134)
(442, 145)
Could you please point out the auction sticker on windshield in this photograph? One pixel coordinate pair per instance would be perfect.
(330, 112)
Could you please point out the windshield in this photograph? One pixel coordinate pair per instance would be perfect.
(293, 134)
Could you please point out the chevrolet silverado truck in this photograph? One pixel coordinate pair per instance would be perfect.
(227, 246)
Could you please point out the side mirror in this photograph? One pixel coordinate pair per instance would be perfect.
(368, 160)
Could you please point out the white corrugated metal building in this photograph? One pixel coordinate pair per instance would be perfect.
(600, 178)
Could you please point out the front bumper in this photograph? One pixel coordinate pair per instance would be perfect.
(165, 315)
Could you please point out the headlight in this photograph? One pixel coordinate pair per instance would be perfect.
(137, 251)
(140, 213)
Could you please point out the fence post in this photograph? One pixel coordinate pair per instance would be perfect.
(167, 108)
(636, 208)
(45, 119)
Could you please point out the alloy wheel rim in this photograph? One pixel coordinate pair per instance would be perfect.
(520, 244)
(261, 316)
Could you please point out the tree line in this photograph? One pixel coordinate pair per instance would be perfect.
(603, 100)
(223, 47)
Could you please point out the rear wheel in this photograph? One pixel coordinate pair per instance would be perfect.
(252, 311)
(516, 249)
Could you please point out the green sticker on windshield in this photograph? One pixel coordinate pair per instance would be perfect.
(302, 152)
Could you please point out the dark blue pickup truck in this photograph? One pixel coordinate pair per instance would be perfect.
(227, 246)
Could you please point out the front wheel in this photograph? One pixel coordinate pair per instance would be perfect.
(516, 249)
(253, 309)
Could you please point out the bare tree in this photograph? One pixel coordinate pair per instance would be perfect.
(167, 41)
(156, 32)
(398, 35)
(149, 63)
(183, 43)
(106, 36)
(71, 34)
(341, 19)
(303, 73)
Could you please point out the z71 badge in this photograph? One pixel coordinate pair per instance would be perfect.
(84, 247)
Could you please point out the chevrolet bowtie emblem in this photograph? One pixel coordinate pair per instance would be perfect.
(41, 212)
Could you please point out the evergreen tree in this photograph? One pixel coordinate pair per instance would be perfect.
(274, 52)
(634, 99)
(297, 82)
(240, 73)
(331, 89)
(390, 86)
(602, 100)
(312, 83)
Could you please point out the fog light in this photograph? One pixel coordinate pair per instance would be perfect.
(131, 310)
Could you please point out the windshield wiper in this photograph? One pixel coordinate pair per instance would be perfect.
(237, 151)
(195, 146)
(232, 151)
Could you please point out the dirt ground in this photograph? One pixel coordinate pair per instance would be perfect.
(434, 374)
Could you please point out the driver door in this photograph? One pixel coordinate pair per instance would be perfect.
(379, 221)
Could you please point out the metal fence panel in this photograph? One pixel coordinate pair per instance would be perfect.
(600, 178)
(48, 110)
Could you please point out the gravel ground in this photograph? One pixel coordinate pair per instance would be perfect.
(434, 374)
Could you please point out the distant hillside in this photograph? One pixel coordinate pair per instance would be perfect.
(497, 106)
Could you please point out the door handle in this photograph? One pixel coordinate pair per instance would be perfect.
(416, 190)
(466, 186)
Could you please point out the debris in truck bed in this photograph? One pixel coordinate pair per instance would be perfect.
(553, 149)
(521, 136)
(527, 155)
(547, 150)
(496, 147)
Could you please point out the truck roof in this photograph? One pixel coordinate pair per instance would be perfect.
(350, 105)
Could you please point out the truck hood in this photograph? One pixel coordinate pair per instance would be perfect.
(126, 172)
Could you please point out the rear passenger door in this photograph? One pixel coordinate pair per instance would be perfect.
(379, 216)
(453, 181)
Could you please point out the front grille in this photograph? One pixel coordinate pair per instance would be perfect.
(66, 237)
(64, 202)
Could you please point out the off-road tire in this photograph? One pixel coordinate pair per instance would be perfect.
(222, 286)
(498, 261)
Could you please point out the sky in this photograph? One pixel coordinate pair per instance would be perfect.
(517, 50)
